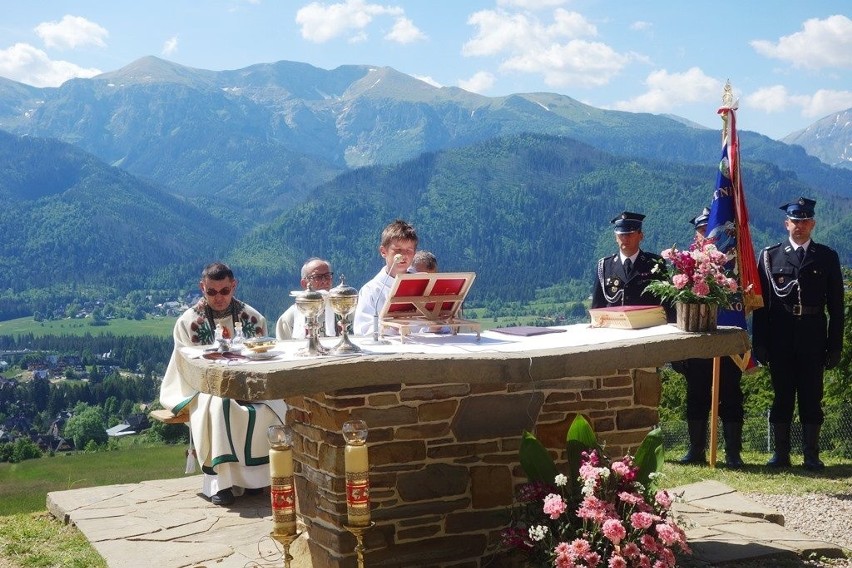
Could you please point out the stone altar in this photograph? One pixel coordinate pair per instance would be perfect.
(446, 415)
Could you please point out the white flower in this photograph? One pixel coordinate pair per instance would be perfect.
(560, 480)
(397, 258)
(538, 532)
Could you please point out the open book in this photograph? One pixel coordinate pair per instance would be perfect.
(628, 317)
(428, 300)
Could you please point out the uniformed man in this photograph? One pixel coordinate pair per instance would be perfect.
(699, 385)
(620, 279)
(793, 334)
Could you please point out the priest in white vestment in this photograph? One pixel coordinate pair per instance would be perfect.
(291, 325)
(229, 435)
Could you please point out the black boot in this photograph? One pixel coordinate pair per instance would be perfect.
(781, 457)
(697, 441)
(733, 444)
(810, 447)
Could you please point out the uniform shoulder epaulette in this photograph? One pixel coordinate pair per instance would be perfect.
(770, 247)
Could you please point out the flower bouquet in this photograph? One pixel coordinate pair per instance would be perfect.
(698, 276)
(604, 513)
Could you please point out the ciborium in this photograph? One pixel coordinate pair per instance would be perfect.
(311, 304)
(343, 299)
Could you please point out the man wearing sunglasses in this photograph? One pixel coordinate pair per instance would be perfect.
(229, 435)
(317, 273)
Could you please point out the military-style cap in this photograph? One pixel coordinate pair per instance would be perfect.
(802, 208)
(628, 222)
(701, 220)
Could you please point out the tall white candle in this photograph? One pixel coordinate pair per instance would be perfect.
(282, 491)
(357, 467)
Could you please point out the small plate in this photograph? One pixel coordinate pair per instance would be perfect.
(261, 356)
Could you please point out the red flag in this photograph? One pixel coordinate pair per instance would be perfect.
(746, 262)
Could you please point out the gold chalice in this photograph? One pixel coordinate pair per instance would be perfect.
(310, 304)
(343, 299)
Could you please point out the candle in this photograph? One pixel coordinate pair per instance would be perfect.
(357, 466)
(282, 490)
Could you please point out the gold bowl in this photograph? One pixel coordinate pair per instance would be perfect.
(259, 344)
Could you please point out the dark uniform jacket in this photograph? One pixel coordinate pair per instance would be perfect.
(614, 288)
(795, 301)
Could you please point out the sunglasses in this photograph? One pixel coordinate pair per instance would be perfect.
(212, 292)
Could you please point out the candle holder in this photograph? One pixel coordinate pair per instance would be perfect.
(359, 540)
(286, 540)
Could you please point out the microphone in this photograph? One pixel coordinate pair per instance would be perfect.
(397, 258)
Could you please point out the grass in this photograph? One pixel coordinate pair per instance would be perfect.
(26, 528)
(156, 326)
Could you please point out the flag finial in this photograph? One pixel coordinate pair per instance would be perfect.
(728, 95)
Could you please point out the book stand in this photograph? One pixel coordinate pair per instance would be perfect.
(427, 300)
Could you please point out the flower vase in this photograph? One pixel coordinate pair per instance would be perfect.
(696, 317)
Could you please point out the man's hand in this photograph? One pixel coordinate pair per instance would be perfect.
(760, 353)
(832, 358)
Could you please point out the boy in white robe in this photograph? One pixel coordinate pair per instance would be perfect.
(398, 245)
(229, 435)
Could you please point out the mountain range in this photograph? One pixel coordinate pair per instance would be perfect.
(138, 176)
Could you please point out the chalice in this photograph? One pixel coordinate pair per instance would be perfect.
(310, 304)
(343, 299)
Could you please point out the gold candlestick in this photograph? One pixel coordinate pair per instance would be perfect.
(359, 539)
(286, 540)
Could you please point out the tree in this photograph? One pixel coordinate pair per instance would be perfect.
(24, 449)
(86, 426)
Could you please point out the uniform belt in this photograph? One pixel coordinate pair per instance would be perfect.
(800, 310)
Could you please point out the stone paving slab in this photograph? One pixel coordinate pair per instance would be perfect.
(169, 524)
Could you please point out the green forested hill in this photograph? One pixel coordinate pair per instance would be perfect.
(524, 212)
(72, 226)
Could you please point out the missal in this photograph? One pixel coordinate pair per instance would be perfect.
(628, 317)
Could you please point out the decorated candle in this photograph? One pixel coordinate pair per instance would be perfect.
(357, 466)
(282, 490)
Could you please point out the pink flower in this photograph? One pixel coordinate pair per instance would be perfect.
(617, 562)
(630, 550)
(564, 561)
(641, 521)
(554, 506)
(700, 288)
(620, 468)
(663, 498)
(592, 559)
(631, 498)
(668, 536)
(580, 547)
(680, 281)
(613, 530)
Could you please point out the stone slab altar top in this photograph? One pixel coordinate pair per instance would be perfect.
(573, 351)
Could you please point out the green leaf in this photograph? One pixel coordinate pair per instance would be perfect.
(535, 461)
(581, 438)
(649, 457)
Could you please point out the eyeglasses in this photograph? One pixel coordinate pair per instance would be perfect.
(797, 221)
(322, 276)
(212, 292)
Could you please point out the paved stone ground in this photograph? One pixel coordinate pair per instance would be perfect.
(168, 524)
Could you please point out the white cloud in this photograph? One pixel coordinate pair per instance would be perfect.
(27, 64)
(71, 32)
(776, 99)
(404, 31)
(820, 43)
(480, 82)
(170, 46)
(641, 26)
(666, 91)
(558, 49)
(320, 23)
(531, 4)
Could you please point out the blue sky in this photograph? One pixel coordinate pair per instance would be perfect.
(790, 62)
